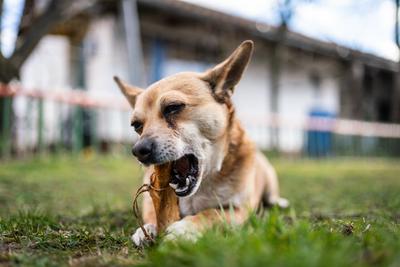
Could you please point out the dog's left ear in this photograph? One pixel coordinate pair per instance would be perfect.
(223, 77)
(130, 92)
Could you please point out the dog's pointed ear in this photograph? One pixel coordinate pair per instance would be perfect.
(130, 92)
(223, 77)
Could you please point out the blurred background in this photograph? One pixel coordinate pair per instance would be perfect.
(324, 80)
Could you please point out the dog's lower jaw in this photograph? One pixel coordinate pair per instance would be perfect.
(198, 183)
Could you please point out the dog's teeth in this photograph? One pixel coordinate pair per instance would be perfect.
(174, 186)
(187, 181)
(179, 190)
(175, 180)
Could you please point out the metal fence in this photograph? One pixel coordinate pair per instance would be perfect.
(41, 121)
(52, 121)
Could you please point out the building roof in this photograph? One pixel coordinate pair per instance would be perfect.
(268, 32)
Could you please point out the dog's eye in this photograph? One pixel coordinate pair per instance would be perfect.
(173, 109)
(137, 125)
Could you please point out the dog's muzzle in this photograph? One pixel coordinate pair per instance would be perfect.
(144, 150)
(184, 175)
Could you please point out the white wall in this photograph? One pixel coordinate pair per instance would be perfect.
(298, 96)
(173, 66)
(106, 56)
(47, 68)
(251, 99)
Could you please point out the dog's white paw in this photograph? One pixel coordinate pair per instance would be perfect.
(281, 202)
(182, 229)
(139, 239)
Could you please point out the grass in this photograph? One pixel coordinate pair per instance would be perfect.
(76, 211)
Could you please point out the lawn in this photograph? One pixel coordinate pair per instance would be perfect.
(76, 210)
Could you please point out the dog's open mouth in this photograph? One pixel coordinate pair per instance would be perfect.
(184, 175)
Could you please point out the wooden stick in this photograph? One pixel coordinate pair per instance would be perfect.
(165, 200)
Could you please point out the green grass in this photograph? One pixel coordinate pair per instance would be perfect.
(77, 211)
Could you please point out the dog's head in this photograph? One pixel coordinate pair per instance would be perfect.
(183, 118)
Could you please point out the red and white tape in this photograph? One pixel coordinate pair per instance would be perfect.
(71, 97)
(337, 125)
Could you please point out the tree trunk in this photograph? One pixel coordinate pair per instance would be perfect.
(7, 73)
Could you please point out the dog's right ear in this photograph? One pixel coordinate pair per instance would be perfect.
(224, 77)
(129, 91)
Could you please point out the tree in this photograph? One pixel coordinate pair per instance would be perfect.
(32, 29)
(33, 26)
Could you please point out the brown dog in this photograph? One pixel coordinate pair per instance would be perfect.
(188, 119)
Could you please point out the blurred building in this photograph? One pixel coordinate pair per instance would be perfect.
(290, 74)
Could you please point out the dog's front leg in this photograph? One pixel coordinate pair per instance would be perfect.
(150, 222)
(191, 227)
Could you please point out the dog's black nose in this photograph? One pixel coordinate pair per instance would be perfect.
(144, 150)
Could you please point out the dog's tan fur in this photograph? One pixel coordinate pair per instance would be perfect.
(232, 172)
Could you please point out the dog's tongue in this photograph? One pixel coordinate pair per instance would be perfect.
(182, 166)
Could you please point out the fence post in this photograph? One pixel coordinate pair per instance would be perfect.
(60, 141)
(40, 125)
(78, 131)
(6, 126)
(94, 133)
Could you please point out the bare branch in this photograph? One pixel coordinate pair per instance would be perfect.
(54, 13)
(33, 28)
(28, 14)
(79, 6)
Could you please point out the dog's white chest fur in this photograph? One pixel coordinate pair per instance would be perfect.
(210, 197)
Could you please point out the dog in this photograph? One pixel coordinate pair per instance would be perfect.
(189, 119)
